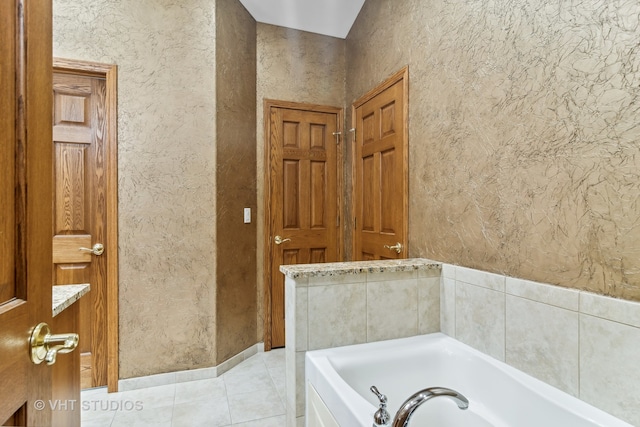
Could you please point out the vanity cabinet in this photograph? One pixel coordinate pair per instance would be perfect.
(65, 405)
(65, 393)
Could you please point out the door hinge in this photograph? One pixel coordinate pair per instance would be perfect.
(337, 135)
(353, 131)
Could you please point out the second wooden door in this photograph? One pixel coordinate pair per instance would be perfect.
(80, 249)
(380, 172)
(303, 195)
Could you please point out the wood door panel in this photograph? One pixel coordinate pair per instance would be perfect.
(79, 134)
(370, 197)
(19, 418)
(303, 197)
(25, 216)
(318, 255)
(16, 371)
(317, 136)
(66, 249)
(70, 196)
(390, 203)
(7, 152)
(7, 211)
(368, 129)
(291, 199)
(318, 195)
(381, 171)
(291, 134)
(76, 135)
(290, 256)
(367, 256)
(72, 110)
(73, 273)
(388, 120)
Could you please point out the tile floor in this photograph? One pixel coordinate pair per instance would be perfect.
(249, 395)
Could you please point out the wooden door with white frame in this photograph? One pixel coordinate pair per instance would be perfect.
(85, 208)
(303, 197)
(380, 171)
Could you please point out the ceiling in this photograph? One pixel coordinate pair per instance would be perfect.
(329, 17)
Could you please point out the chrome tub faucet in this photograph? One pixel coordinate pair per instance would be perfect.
(411, 404)
(382, 417)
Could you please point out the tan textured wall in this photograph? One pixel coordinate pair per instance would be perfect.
(295, 66)
(165, 52)
(524, 153)
(524, 144)
(235, 178)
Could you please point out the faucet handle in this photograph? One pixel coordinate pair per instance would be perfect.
(381, 417)
(380, 396)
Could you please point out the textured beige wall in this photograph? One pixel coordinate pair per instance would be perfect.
(524, 144)
(524, 154)
(295, 66)
(235, 179)
(165, 52)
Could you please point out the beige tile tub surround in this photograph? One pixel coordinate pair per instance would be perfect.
(336, 304)
(584, 344)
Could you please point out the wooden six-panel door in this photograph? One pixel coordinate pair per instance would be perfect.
(380, 172)
(303, 197)
(80, 209)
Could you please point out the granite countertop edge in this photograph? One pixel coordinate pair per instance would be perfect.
(65, 295)
(297, 271)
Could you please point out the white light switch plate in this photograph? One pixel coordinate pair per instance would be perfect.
(247, 215)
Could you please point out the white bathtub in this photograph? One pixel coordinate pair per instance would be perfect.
(498, 394)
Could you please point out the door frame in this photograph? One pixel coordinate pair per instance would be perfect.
(402, 74)
(268, 104)
(110, 73)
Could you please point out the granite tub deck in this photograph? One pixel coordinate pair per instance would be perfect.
(336, 304)
(300, 271)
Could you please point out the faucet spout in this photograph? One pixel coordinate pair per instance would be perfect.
(411, 404)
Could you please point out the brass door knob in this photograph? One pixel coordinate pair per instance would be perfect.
(45, 346)
(397, 247)
(279, 240)
(98, 249)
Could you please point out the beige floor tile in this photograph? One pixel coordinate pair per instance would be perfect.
(255, 405)
(251, 394)
(201, 414)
